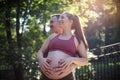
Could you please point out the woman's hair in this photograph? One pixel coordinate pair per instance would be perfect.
(79, 33)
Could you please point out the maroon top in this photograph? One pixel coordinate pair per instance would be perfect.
(67, 46)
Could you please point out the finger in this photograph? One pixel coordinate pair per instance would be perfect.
(60, 68)
(61, 65)
(65, 66)
(48, 67)
(61, 61)
(60, 73)
(63, 71)
(46, 70)
(57, 69)
(46, 64)
(48, 60)
(43, 68)
(48, 75)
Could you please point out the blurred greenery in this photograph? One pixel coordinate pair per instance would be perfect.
(23, 29)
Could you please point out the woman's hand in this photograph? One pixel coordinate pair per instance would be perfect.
(45, 65)
(64, 65)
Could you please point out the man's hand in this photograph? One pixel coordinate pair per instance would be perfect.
(45, 65)
(64, 66)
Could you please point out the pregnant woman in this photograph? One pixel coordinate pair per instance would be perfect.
(61, 59)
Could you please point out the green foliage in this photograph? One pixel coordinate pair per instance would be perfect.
(88, 72)
(100, 20)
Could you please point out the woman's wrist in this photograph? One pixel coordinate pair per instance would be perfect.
(74, 61)
(73, 66)
(40, 60)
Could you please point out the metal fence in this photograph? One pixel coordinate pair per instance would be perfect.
(104, 64)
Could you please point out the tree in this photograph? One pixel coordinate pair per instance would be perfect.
(24, 21)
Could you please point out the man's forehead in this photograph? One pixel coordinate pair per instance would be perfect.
(54, 18)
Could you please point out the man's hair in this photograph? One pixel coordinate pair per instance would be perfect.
(57, 15)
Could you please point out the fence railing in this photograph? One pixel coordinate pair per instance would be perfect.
(104, 65)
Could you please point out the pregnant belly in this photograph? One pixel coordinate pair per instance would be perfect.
(57, 56)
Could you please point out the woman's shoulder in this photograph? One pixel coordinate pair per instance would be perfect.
(76, 41)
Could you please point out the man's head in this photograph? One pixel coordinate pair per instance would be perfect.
(54, 24)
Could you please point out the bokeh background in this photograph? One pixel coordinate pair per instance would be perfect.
(23, 29)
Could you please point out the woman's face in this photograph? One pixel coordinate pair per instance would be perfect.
(65, 21)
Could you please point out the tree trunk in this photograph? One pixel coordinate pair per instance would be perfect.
(18, 69)
(44, 17)
(9, 36)
(18, 26)
(8, 29)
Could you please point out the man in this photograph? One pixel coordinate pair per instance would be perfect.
(54, 24)
(55, 29)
